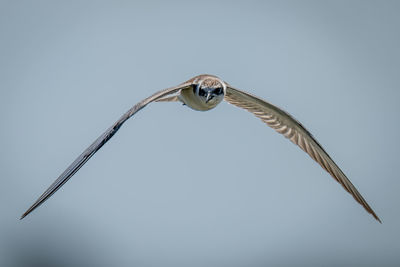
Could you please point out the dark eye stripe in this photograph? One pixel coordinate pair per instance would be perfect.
(197, 90)
(202, 92)
(218, 91)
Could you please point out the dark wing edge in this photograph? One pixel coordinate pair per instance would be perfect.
(97, 144)
(285, 124)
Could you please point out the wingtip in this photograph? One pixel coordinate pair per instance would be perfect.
(23, 215)
(26, 213)
(375, 216)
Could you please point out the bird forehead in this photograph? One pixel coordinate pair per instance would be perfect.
(211, 83)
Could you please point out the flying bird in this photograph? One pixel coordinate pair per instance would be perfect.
(205, 92)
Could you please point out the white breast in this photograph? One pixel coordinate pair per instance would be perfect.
(190, 99)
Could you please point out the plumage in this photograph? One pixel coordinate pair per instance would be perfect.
(97, 144)
(205, 92)
(285, 124)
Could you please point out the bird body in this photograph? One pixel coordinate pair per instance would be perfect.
(205, 92)
(205, 85)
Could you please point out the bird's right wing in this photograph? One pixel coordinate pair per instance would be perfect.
(99, 142)
(285, 124)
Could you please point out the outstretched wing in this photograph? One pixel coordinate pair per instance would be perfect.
(93, 148)
(285, 124)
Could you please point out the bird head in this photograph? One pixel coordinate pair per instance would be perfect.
(210, 90)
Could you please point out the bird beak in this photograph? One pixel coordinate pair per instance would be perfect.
(209, 96)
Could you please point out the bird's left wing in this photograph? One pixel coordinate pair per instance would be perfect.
(285, 124)
(99, 142)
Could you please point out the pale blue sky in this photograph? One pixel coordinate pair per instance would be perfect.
(176, 187)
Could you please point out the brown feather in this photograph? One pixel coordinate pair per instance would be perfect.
(286, 125)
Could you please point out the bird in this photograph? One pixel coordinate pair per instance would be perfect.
(205, 92)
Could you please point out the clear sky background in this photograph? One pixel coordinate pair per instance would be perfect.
(177, 187)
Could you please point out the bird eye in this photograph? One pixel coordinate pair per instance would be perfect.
(202, 92)
(218, 91)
